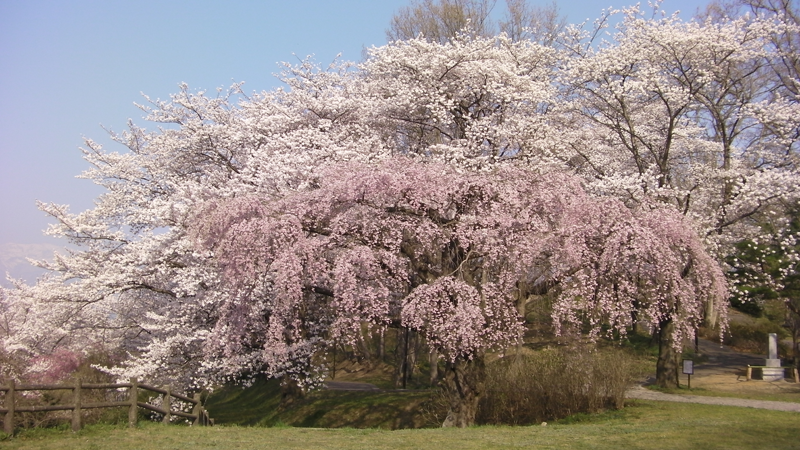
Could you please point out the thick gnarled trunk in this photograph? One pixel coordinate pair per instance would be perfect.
(463, 383)
(667, 365)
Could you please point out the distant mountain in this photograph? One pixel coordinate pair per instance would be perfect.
(13, 260)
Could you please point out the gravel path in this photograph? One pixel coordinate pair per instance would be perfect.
(642, 393)
(724, 370)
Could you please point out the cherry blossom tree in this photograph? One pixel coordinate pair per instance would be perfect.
(649, 266)
(448, 254)
(669, 116)
(767, 269)
(686, 112)
(677, 103)
(136, 283)
(785, 44)
(470, 101)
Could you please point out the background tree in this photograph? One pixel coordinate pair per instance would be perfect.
(767, 269)
(787, 65)
(441, 21)
(540, 24)
(470, 102)
(680, 113)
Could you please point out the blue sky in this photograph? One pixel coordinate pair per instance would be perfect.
(68, 67)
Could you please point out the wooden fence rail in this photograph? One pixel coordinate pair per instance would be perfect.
(199, 415)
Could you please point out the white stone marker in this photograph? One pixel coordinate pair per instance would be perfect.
(773, 371)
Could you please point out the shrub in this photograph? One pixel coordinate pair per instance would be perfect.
(554, 383)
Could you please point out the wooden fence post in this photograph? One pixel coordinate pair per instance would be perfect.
(133, 411)
(199, 414)
(197, 410)
(8, 424)
(76, 410)
(167, 405)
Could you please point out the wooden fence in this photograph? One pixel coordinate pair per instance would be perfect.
(199, 415)
(795, 373)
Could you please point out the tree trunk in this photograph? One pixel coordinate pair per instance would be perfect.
(635, 318)
(401, 373)
(711, 315)
(796, 342)
(382, 345)
(290, 392)
(363, 346)
(667, 365)
(433, 359)
(413, 344)
(463, 384)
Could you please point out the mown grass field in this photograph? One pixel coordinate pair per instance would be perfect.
(641, 425)
(253, 418)
(790, 395)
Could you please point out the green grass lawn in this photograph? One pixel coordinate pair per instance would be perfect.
(788, 396)
(641, 425)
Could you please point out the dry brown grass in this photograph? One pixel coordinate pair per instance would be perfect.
(532, 387)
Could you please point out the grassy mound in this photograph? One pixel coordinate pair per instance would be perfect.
(259, 405)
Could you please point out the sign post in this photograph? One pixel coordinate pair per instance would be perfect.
(688, 369)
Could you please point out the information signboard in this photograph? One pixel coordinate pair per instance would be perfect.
(688, 369)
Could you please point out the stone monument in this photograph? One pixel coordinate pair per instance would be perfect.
(773, 371)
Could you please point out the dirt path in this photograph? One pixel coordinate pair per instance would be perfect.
(350, 386)
(721, 360)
